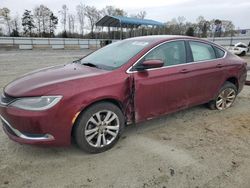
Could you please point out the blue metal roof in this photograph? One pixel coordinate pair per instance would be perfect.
(118, 21)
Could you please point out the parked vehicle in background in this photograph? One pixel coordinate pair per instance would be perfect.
(133, 80)
(240, 49)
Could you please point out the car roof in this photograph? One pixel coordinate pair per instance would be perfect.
(162, 37)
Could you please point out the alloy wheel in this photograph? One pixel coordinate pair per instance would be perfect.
(225, 99)
(102, 128)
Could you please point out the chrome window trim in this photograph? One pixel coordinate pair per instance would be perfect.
(128, 71)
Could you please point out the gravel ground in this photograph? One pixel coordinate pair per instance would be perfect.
(196, 147)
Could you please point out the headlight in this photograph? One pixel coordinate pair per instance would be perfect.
(36, 103)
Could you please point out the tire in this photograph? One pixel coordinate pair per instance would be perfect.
(99, 127)
(224, 100)
(243, 53)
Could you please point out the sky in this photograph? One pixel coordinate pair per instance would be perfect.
(238, 11)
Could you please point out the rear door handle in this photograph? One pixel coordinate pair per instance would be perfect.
(184, 71)
(219, 65)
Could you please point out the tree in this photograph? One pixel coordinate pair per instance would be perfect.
(64, 14)
(140, 15)
(203, 26)
(177, 26)
(120, 12)
(190, 31)
(5, 13)
(71, 23)
(181, 25)
(15, 27)
(108, 10)
(113, 11)
(38, 19)
(28, 22)
(93, 15)
(53, 21)
(81, 17)
(229, 28)
(42, 19)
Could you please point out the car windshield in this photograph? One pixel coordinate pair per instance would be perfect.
(115, 55)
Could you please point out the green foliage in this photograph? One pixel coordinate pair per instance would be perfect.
(28, 22)
(190, 31)
(14, 33)
(53, 21)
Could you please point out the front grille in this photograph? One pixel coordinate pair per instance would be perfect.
(6, 99)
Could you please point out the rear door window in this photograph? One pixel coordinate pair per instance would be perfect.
(219, 52)
(202, 51)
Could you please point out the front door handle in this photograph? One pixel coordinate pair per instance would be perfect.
(184, 71)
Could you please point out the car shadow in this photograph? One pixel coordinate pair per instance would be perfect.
(129, 131)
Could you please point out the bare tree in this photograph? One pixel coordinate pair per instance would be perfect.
(15, 26)
(5, 13)
(46, 12)
(140, 15)
(38, 19)
(177, 26)
(64, 14)
(93, 16)
(113, 11)
(81, 16)
(42, 19)
(71, 23)
(203, 26)
(229, 28)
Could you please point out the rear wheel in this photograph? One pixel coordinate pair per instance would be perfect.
(99, 127)
(225, 98)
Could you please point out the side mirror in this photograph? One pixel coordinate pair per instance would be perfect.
(149, 64)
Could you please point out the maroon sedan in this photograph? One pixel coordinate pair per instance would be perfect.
(92, 99)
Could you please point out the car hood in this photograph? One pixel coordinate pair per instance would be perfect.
(44, 80)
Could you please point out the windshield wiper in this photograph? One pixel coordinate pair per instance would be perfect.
(90, 65)
(78, 60)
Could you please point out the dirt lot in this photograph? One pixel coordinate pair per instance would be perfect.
(196, 147)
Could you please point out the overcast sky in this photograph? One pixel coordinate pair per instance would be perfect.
(237, 11)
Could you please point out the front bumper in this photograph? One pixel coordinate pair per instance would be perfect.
(48, 128)
(18, 136)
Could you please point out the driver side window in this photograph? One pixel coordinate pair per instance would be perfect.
(171, 53)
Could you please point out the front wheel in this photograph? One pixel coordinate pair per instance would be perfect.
(225, 98)
(99, 127)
